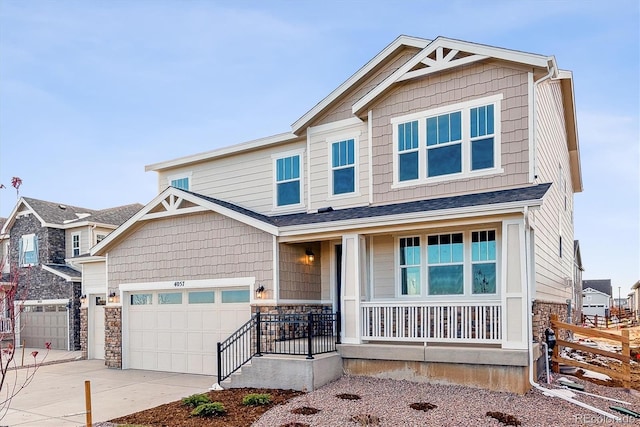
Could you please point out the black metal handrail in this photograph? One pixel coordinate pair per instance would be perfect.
(305, 334)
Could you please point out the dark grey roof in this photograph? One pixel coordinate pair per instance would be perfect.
(58, 213)
(602, 285)
(66, 270)
(534, 192)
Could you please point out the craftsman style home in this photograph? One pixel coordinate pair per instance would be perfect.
(39, 242)
(427, 202)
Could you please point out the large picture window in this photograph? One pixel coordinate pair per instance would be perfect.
(343, 167)
(288, 186)
(452, 141)
(446, 264)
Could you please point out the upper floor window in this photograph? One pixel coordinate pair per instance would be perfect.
(288, 181)
(343, 167)
(181, 183)
(447, 142)
(75, 244)
(28, 250)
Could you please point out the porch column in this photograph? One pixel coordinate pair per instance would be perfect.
(350, 306)
(513, 285)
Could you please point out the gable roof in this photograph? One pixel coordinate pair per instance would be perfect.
(595, 291)
(174, 201)
(602, 285)
(59, 215)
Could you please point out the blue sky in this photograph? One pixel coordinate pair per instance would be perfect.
(91, 92)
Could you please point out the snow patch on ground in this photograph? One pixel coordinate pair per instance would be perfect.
(596, 375)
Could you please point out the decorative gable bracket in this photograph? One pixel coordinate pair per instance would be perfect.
(441, 59)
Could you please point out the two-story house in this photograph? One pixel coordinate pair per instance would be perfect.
(41, 241)
(428, 199)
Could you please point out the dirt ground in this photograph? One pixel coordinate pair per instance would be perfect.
(175, 414)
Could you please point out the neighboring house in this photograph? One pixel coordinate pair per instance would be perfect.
(428, 199)
(44, 239)
(576, 303)
(634, 299)
(602, 285)
(595, 303)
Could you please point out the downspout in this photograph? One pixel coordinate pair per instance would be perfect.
(550, 74)
(546, 391)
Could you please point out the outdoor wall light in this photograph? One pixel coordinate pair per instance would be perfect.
(310, 255)
(83, 299)
(259, 292)
(113, 298)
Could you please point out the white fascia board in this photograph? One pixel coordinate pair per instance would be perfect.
(12, 216)
(409, 218)
(362, 72)
(85, 260)
(478, 49)
(58, 301)
(229, 282)
(224, 151)
(571, 128)
(57, 273)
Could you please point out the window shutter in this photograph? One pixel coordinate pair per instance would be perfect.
(20, 253)
(35, 249)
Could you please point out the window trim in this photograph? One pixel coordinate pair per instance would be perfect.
(174, 177)
(467, 286)
(21, 252)
(356, 165)
(274, 182)
(73, 248)
(466, 143)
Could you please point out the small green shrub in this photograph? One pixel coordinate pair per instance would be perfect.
(195, 400)
(209, 410)
(256, 399)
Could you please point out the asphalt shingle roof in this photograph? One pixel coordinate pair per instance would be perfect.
(66, 270)
(603, 285)
(58, 213)
(534, 192)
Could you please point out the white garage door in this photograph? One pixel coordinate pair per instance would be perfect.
(177, 331)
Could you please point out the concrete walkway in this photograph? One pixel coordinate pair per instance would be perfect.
(56, 396)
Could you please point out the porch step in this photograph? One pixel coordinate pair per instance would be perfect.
(287, 372)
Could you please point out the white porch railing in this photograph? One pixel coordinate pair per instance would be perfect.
(5, 325)
(478, 323)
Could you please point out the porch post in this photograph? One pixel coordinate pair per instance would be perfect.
(513, 285)
(350, 307)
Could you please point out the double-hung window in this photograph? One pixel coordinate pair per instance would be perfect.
(408, 151)
(483, 261)
(410, 266)
(75, 244)
(28, 250)
(448, 142)
(343, 167)
(288, 182)
(444, 144)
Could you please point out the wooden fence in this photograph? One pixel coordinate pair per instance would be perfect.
(624, 357)
(606, 321)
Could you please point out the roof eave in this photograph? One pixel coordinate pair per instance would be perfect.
(410, 218)
(221, 152)
(571, 127)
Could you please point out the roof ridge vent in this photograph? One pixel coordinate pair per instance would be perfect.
(62, 206)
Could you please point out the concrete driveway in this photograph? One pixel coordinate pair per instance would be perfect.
(56, 397)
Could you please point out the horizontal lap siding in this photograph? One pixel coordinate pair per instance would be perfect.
(383, 267)
(94, 277)
(451, 87)
(192, 247)
(319, 181)
(245, 179)
(551, 143)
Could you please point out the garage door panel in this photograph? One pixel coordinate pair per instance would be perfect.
(41, 325)
(182, 337)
